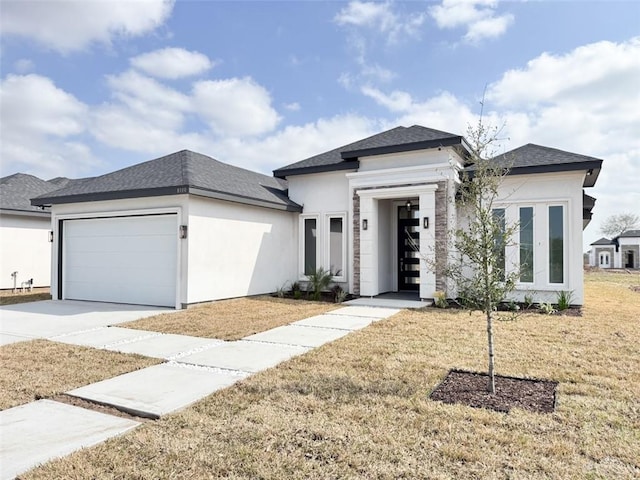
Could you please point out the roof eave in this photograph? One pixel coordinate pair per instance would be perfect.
(25, 213)
(334, 167)
(289, 206)
(112, 195)
(592, 168)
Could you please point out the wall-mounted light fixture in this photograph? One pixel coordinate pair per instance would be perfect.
(425, 222)
(408, 205)
(50, 236)
(365, 224)
(183, 231)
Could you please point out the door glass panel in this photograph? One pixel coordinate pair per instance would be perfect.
(408, 241)
(526, 244)
(498, 250)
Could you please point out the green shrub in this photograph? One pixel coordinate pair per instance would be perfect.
(564, 300)
(547, 308)
(318, 282)
(440, 299)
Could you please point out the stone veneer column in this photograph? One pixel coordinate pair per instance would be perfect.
(442, 231)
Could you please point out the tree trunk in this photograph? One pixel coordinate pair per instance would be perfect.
(491, 386)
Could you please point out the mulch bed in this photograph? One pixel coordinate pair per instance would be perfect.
(470, 388)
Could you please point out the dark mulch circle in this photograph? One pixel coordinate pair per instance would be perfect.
(470, 388)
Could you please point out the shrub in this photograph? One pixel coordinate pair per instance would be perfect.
(528, 301)
(564, 300)
(318, 282)
(339, 295)
(547, 308)
(440, 299)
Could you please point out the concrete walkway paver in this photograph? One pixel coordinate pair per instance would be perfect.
(299, 335)
(155, 391)
(41, 431)
(245, 356)
(341, 322)
(8, 338)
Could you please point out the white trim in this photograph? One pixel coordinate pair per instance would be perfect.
(401, 176)
(395, 192)
(520, 283)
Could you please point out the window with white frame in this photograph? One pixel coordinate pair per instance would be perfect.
(336, 245)
(499, 247)
(526, 244)
(556, 244)
(309, 243)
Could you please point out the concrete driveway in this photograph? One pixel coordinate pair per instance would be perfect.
(46, 319)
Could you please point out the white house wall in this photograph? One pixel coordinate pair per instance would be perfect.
(394, 161)
(237, 250)
(323, 195)
(541, 191)
(25, 248)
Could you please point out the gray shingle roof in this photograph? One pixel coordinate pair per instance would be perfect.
(630, 233)
(603, 241)
(531, 158)
(178, 173)
(17, 190)
(395, 140)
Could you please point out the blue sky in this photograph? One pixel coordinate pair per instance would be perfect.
(90, 87)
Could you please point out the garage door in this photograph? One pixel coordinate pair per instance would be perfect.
(121, 259)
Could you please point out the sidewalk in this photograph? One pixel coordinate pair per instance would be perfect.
(40, 431)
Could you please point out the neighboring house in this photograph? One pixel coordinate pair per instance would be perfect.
(25, 248)
(186, 228)
(621, 252)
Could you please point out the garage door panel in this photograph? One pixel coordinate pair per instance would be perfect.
(123, 259)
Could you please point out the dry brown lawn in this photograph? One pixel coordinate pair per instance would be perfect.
(7, 297)
(42, 369)
(359, 407)
(232, 319)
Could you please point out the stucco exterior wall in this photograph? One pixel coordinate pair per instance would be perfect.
(541, 191)
(25, 248)
(237, 250)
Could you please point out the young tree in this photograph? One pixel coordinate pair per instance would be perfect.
(616, 225)
(481, 275)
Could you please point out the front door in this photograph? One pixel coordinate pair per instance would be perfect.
(408, 241)
(629, 262)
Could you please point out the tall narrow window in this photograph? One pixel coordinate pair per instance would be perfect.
(556, 245)
(336, 246)
(526, 244)
(499, 217)
(310, 245)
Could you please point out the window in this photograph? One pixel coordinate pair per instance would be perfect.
(336, 246)
(499, 218)
(556, 244)
(526, 244)
(310, 245)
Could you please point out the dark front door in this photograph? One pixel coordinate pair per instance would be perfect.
(408, 241)
(629, 263)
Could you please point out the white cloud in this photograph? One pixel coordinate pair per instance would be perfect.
(74, 25)
(172, 63)
(292, 107)
(235, 107)
(42, 128)
(381, 18)
(24, 65)
(477, 16)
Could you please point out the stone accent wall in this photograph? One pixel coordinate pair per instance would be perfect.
(606, 250)
(442, 228)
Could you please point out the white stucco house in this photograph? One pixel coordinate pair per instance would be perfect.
(622, 251)
(186, 228)
(25, 250)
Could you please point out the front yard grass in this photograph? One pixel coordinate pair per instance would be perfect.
(8, 297)
(41, 369)
(232, 319)
(359, 407)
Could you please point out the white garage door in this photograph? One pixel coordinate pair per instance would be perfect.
(121, 259)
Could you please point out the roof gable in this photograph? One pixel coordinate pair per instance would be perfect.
(603, 241)
(178, 173)
(399, 139)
